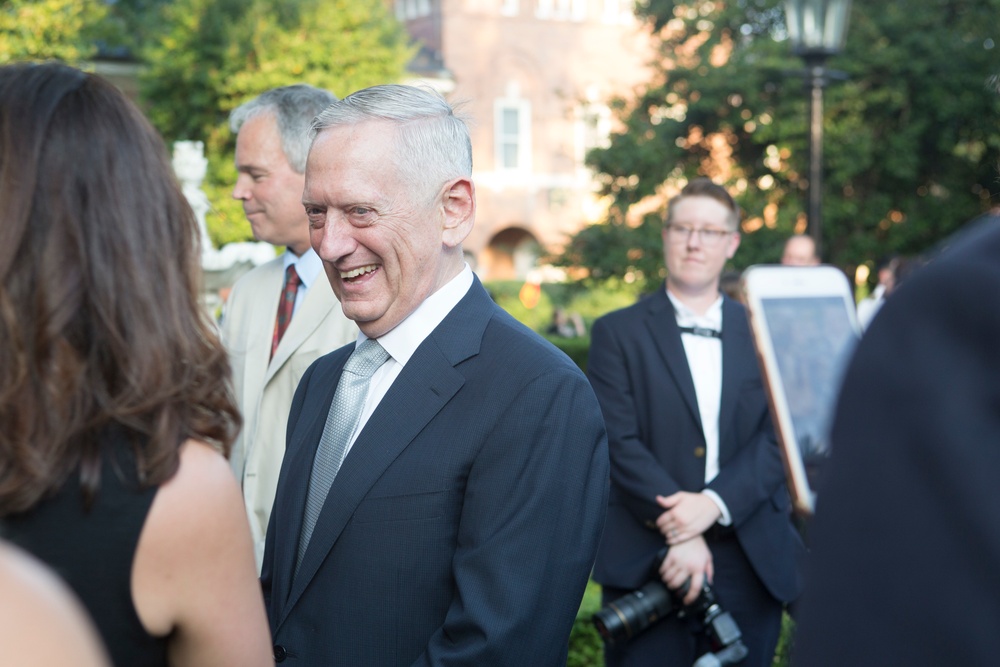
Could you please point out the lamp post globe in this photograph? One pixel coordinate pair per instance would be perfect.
(817, 30)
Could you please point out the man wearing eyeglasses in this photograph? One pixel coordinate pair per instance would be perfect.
(695, 465)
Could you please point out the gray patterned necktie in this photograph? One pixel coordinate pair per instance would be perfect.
(345, 412)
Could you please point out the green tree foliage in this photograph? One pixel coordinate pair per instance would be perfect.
(129, 26)
(49, 29)
(213, 55)
(912, 136)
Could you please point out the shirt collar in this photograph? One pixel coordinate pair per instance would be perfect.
(407, 336)
(712, 319)
(308, 265)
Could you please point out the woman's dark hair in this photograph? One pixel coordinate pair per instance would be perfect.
(100, 322)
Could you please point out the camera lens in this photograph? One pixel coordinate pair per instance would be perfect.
(631, 614)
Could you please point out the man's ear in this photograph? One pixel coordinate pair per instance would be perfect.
(734, 243)
(459, 205)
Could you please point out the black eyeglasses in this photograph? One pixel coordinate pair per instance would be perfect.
(709, 236)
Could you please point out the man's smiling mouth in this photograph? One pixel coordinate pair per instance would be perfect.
(360, 271)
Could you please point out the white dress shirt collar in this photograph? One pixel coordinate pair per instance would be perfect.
(403, 340)
(406, 337)
(712, 319)
(308, 265)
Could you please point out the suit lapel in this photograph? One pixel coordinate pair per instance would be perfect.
(293, 483)
(667, 337)
(425, 385)
(411, 402)
(735, 339)
(316, 305)
(260, 328)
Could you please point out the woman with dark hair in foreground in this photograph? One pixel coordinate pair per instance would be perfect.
(115, 411)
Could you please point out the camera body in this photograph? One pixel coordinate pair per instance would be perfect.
(630, 614)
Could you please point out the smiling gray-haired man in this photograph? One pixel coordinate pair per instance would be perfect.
(445, 482)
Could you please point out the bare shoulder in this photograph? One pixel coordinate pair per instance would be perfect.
(191, 507)
(201, 494)
(200, 505)
(41, 624)
(194, 577)
(202, 470)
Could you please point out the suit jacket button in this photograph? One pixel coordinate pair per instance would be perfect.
(650, 524)
(699, 452)
(279, 653)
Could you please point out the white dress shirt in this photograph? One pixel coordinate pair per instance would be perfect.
(704, 357)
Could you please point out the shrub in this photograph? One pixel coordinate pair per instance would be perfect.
(507, 294)
(585, 646)
(590, 301)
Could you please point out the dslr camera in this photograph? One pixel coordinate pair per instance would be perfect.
(630, 614)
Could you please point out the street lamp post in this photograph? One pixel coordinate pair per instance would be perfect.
(816, 30)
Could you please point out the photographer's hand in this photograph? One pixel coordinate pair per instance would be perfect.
(688, 515)
(689, 560)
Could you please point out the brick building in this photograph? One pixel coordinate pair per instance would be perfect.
(535, 76)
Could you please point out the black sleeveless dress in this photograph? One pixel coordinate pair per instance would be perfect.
(93, 551)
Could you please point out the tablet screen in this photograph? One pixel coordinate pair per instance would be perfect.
(812, 339)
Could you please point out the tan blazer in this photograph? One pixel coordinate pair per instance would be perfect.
(264, 390)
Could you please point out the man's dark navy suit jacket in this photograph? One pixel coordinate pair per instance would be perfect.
(463, 523)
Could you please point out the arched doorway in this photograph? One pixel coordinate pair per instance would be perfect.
(510, 255)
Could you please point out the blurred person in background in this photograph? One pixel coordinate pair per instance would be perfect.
(886, 272)
(694, 460)
(281, 316)
(800, 250)
(115, 408)
(729, 284)
(906, 539)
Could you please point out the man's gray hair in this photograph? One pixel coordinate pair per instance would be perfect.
(294, 108)
(433, 141)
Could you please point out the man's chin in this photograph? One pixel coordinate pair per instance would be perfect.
(358, 313)
(257, 227)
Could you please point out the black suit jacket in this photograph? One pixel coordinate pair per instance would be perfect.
(640, 374)
(905, 562)
(463, 523)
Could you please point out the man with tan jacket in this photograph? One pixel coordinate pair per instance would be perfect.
(283, 315)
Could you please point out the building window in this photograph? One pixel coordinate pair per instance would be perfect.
(594, 127)
(513, 134)
(510, 7)
(411, 9)
(560, 10)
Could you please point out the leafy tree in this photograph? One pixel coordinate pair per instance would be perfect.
(49, 29)
(129, 26)
(911, 146)
(213, 55)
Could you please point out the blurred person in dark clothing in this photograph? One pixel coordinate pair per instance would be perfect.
(906, 538)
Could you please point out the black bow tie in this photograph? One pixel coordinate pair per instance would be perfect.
(701, 331)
